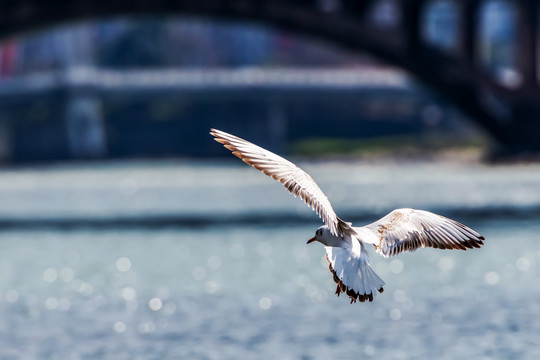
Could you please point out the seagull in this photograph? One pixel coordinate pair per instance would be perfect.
(402, 230)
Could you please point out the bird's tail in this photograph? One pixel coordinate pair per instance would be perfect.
(353, 275)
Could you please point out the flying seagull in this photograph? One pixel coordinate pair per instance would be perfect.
(402, 230)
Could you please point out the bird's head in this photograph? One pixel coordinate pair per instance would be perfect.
(325, 237)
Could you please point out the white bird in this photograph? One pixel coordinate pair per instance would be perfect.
(402, 230)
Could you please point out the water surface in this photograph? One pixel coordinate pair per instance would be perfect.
(236, 289)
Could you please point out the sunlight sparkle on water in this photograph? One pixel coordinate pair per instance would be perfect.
(211, 287)
(395, 314)
(492, 278)
(146, 328)
(119, 327)
(265, 303)
(123, 264)
(199, 273)
(155, 304)
(67, 274)
(369, 350)
(51, 303)
(111, 293)
(64, 304)
(50, 275)
(129, 293)
(523, 264)
(82, 287)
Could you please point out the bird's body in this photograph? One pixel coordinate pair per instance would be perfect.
(401, 230)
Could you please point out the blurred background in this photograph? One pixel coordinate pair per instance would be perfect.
(126, 232)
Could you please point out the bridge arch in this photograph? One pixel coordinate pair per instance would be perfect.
(456, 75)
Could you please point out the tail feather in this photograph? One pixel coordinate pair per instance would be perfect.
(353, 275)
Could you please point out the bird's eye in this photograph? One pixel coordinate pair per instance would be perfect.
(318, 232)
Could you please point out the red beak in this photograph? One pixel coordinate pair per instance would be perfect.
(311, 240)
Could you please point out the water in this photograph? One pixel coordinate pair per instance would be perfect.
(150, 284)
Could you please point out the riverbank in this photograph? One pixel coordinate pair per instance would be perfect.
(391, 149)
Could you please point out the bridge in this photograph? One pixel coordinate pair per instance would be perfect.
(505, 104)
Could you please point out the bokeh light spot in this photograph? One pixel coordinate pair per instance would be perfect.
(523, 264)
(211, 287)
(67, 274)
(51, 303)
(492, 278)
(146, 328)
(265, 303)
(129, 293)
(64, 304)
(123, 264)
(369, 350)
(155, 304)
(119, 327)
(395, 314)
(50, 275)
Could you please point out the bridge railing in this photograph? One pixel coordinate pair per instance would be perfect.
(221, 82)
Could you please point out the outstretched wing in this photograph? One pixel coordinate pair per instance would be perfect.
(407, 230)
(295, 180)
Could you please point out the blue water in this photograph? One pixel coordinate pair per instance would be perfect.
(175, 289)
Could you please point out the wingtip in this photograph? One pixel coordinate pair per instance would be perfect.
(218, 137)
(216, 133)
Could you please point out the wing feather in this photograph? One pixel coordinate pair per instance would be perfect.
(294, 179)
(406, 230)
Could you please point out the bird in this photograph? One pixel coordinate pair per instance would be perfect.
(402, 230)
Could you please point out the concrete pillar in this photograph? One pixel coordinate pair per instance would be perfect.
(277, 123)
(85, 127)
(468, 19)
(5, 139)
(527, 43)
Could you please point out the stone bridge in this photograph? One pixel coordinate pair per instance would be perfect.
(506, 103)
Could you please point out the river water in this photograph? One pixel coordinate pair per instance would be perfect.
(198, 260)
